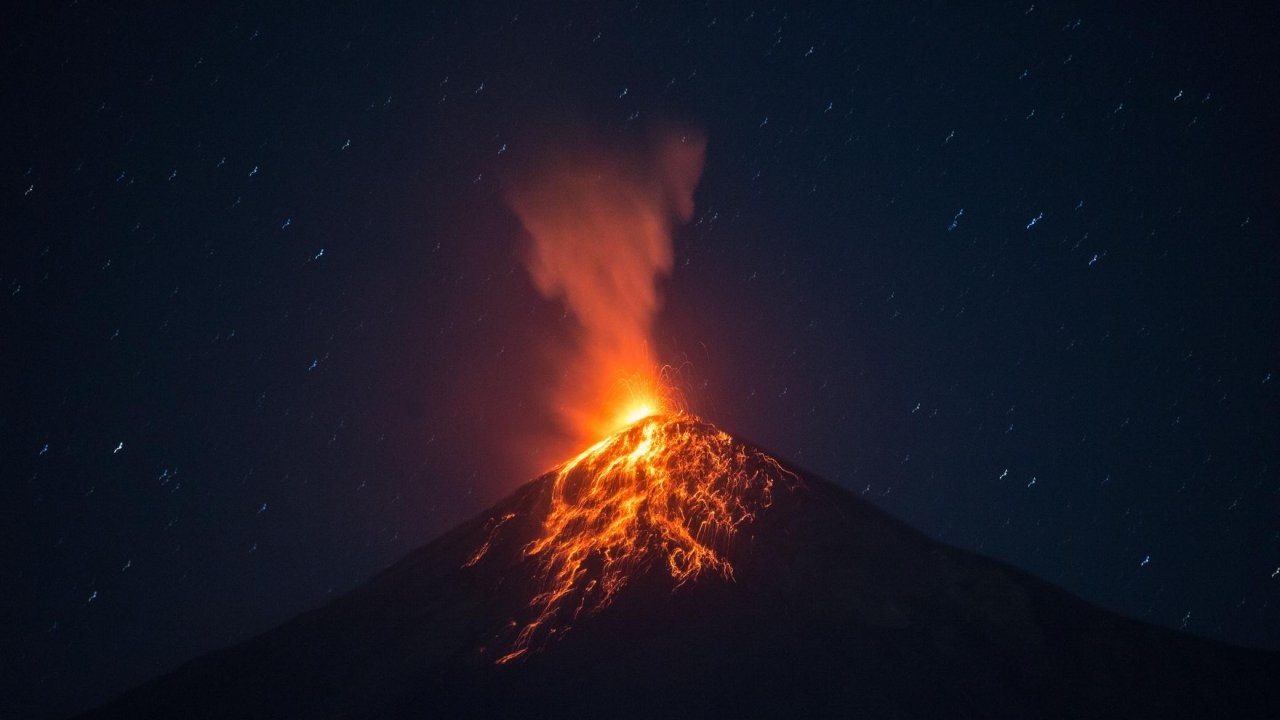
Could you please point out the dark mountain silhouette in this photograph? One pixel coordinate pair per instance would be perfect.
(834, 610)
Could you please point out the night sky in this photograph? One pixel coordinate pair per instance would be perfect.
(1008, 272)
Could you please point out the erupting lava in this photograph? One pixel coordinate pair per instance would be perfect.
(670, 489)
(663, 488)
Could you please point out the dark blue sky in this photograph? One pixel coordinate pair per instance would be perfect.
(1009, 272)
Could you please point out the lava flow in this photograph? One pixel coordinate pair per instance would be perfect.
(669, 490)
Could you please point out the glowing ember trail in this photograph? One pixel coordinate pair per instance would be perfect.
(669, 490)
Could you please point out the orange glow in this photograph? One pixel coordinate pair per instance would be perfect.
(663, 488)
(671, 491)
(633, 399)
(637, 412)
(598, 219)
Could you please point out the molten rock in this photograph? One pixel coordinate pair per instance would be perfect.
(670, 490)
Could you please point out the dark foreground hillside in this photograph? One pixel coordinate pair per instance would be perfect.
(836, 610)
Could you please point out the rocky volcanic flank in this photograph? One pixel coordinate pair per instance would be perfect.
(809, 602)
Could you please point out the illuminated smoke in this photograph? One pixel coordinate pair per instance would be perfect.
(599, 222)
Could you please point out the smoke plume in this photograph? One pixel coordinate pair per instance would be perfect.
(598, 220)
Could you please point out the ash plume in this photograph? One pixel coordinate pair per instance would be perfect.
(598, 218)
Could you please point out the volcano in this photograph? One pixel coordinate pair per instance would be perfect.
(675, 571)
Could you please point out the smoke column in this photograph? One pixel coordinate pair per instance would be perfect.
(598, 221)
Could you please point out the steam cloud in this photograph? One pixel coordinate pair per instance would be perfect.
(599, 224)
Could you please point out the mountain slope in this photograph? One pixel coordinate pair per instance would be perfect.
(831, 608)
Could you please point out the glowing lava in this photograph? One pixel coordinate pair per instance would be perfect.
(637, 396)
(638, 412)
(663, 488)
(669, 490)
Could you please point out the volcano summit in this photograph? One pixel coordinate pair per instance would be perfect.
(674, 571)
